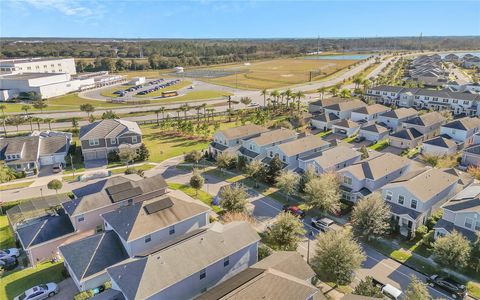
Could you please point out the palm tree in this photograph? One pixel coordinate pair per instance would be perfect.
(26, 108)
(345, 93)
(178, 113)
(334, 91)
(299, 96)
(185, 108)
(322, 91)
(289, 95)
(210, 111)
(264, 93)
(275, 94)
(157, 112)
(38, 121)
(49, 122)
(198, 108)
(246, 101)
(357, 82)
(204, 107)
(282, 95)
(366, 84)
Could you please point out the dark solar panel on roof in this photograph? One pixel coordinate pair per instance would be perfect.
(126, 194)
(118, 188)
(158, 205)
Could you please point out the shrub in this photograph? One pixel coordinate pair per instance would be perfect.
(113, 156)
(433, 219)
(130, 171)
(263, 251)
(428, 239)
(422, 231)
(193, 156)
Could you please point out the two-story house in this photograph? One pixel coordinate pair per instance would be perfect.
(368, 114)
(439, 146)
(393, 119)
(462, 130)
(317, 106)
(331, 160)
(291, 152)
(384, 93)
(257, 147)
(366, 176)
(462, 214)
(347, 128)
(471, 155)
(99, 138)
(30, 153)
(188, 266)
(374, 132)
(107, 195)
(414, 196)
(283, 275)
(130, 231)
(231, 139)
(336, 112)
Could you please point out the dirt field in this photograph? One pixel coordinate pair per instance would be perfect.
(277, 73)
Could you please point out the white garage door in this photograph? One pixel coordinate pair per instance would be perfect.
(46, 160)
(94, 155)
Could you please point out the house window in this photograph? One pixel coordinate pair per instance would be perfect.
(477, 225)
(401, 199)
(148, 238)
(93, 142)
(99, 228)
(466, 102)
(226, 261)
(388, 196)
(203, 273)
(413, 204)
(171, 230)
(113, 141)
(81, 219)
(469, 223)
(445, 100)
(134, 139)
(347, 180)
(130, 202)
(284, 158)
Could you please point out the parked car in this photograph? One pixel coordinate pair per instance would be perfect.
(359, 139)
(294, 210)
(457, 290)
(57, 168)
(388, 290)
(12, 252)
(8, 263)
(323, 224)
(42, 291)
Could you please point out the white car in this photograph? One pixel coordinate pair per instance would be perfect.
(12, 252)
(38, 292)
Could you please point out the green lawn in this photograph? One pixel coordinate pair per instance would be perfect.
(13, 283)
(349, 139)
(15, 185)
(324, 133)
(202, 196)
(379, 146)
(143, 167)
(6, 236)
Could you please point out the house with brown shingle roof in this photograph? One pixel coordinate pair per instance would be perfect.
(394, 118)
(346, 127)
(317, 106)
(439, 146)
(231, 139)
(427, 124)
(331, 160)
(416, 195)
(374, 132)
(368, 114)
(343, 110)
(257, 146)
(462, 130)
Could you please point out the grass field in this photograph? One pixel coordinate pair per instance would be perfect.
(277, 73)
(15, 185)
(201, 195)
(6, 236)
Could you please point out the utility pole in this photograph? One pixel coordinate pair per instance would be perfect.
(71, 163)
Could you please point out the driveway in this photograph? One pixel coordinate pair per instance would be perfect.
(95, 163)
(68, 290)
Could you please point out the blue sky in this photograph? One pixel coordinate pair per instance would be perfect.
(236, 19)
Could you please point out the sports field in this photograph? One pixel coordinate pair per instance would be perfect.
(275, 73)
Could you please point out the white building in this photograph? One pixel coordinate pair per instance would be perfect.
(38, 65)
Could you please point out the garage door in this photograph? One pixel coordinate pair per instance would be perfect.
(46, 160)
(94, 155)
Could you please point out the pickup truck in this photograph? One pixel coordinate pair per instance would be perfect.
(388, 290)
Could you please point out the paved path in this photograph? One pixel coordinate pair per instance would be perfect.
(68, 290)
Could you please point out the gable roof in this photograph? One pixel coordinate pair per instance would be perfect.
(44, 229)
(400, 113)
(328, 101)
(109, 128)
(28, 146)
(378, 166)
(93, 254)
(53, 145)
(442, 142)
(326, 117)
(374, 128)
(372, 109)
(336, 155)
(466, 123)
(142, 277)
(301, 145)
(273, 136)
(468, 200)
(387, 88)
(243, 131)
(345, 123)
(348, 105)
(134, 221)
(427, 119)
(407, 134)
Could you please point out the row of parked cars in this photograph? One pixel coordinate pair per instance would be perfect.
(159, 87)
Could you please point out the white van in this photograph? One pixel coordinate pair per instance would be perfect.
(391, 292)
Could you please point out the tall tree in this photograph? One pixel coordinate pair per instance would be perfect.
(367, 288)
(323, 193)
(345, 93)
(87, 108)
(475, 254)
(264, 93)
(322, 91)
(49, 122)
(334, 91)
(286, 232)
(40, 104)
(26, 108)
(452, 251)
(371, 217)
(4, 118)
(337, 256)
(233, 198)
(196, 181)
(287, 182)
(246, 101)
(225, 160)
(417, 290)
(300, 95)
(274, 167)
(254, 170)
(55, 184)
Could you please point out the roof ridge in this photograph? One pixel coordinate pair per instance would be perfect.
(38, 231)
(94, 252)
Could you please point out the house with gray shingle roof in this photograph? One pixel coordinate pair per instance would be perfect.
(439, 146)
(374, 132)
(257, 146)
(230, 139)
(188, 266)
(29, 153)
(406, 138)
(347, 128)
(369, 114)
(416, 195)
(394, 118)
(99, 138)
(462, 130)
(317, 106)
(331, 160)
(462, 214)
(282, 276)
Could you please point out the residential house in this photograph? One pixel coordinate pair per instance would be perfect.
(346, 127)
(374, 132)
(188, 266)
(384, 93)
(368, 114)
(317, 106)
(368, 175)
(257, 146)
(414, 196)
(331, 160)
(406, 138)
(30, 153)
(343, 110)
(393, 119)
(107, 195)
(462, 130)
(231, 138)
(130, 231)
(451, 58)
(324, 121)
(147, 224)
(99, 138)
(291, 152)
(439, 146)
(471, 63)
(471, 156)
(462, 214)
(282, 275)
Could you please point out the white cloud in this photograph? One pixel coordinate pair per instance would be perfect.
(87, 9)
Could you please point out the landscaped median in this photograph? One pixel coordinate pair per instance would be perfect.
(14, 185)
